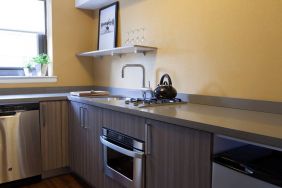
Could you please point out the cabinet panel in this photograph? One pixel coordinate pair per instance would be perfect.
(54, 130)
(94, 148)
(78, 140)
(86, 150)
(65, 133)
(178, 157)
(125, 123)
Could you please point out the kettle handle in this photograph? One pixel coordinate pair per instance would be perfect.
(168, 78)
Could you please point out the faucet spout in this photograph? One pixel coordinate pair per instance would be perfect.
(135, 65)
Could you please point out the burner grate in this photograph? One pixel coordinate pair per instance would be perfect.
(153, 101)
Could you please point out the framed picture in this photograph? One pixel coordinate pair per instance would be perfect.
(108, 20)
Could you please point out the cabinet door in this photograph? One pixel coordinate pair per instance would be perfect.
(94, 117)
(54, 131)
(177, 157)
(86, 150)
(78, 141)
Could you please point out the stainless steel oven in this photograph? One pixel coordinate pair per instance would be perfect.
(123, 158)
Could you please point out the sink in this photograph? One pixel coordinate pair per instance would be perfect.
(108, 98)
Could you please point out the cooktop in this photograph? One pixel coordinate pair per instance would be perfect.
(140, 102)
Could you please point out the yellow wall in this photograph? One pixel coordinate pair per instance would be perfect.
(73, 32)
(227, 48)
(221, 48)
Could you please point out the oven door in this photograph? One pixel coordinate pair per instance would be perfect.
(125, 165)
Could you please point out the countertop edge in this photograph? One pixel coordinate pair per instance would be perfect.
(33, 98)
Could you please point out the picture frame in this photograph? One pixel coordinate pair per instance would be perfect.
(108, 25)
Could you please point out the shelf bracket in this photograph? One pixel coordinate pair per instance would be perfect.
(113, 54)
(140, 51)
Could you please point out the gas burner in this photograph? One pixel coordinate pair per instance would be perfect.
(152, 102)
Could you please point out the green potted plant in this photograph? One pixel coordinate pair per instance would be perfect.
(28, 68)
(43, 60)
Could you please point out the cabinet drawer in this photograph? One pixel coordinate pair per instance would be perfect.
(128, 124)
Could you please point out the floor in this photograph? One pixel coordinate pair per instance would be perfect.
(65, 181)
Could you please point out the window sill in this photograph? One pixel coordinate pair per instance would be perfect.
(27, 79)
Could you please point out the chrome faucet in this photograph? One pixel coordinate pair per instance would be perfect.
(135, 65)
(144, 88)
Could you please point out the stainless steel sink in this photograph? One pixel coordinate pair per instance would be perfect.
(108, 98)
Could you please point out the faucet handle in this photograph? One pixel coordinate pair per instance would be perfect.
(146, 90)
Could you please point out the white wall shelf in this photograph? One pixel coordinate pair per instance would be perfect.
(92, 4)
(119, 51)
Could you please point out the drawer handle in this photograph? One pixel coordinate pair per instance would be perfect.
(148, 139)
(81, 117)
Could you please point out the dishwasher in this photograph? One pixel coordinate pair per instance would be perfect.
(248, 166)
(20, 151)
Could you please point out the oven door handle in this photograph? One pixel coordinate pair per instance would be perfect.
(134, 154)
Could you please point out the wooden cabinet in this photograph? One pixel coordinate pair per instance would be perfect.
(86, 150)
(128, 124)
(94, 147)
(78, 140)
(177, 157)
(54, 134)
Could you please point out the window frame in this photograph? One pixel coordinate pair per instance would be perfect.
(42, 39)
(42, 48)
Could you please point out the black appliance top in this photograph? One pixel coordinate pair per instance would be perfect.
(261, 163)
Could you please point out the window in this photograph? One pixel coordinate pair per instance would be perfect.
(22, 34)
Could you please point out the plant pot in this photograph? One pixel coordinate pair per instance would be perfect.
(34, 71)
(27, 72)
(44, 68)
(37, 70)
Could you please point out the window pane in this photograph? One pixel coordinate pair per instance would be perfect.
(16, 48)
(22, 15)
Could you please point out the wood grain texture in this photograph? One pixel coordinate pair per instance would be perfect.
(54, 130)
(65, 133)
(86, 150)
(130, 125)
(95, 173)
(179, 157)
(78, 140)
(66, 181)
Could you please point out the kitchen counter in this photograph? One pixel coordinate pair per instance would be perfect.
(26, 98)
(259, 127)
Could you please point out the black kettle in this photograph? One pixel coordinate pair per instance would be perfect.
(165, 90)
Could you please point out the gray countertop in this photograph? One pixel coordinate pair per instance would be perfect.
(6, 99)
(259, 127)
